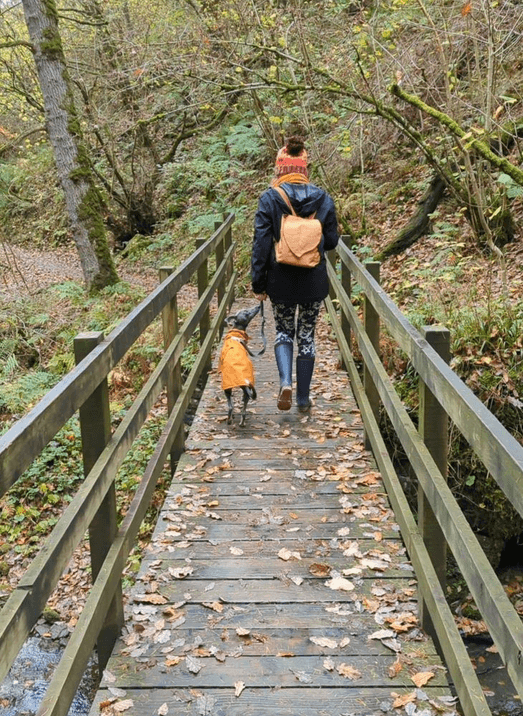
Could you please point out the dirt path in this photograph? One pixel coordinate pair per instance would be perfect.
(24, 271)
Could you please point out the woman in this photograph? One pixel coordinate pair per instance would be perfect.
(296, 293)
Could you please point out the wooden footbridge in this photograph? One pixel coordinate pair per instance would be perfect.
(287, 574)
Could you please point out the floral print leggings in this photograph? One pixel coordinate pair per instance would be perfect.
(303, 328)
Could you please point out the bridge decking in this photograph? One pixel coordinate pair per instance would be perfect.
(276, 581)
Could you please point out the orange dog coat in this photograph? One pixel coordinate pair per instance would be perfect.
(235, 364)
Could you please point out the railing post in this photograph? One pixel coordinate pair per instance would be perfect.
(220, 253)
(203, 282)
(174, 381)
(331, 258)
(371, 322)
(346, 282)
(227, 243)
(433, 428)
(95, 429)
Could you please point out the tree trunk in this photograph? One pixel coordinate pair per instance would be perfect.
(83, 201)
(419, 223)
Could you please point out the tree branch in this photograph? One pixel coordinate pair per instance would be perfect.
(480, 147)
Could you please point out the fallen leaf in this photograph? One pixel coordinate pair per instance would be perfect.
(243, 632)
(163, 710)
(403, 700)
(149, 598)
(174, 661)
(193, 664)
(215, 606)
(395, 668)
(319, 570)
(382, 634)
(329, 664)
(349, 672)
(339, 583)
(121, 706)
(180, 572)
(324, 642)
(422, 678)
(236, 550)
(238, 688)
(286, 554)
(285, 654)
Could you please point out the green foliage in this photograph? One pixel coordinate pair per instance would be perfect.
(25, 391)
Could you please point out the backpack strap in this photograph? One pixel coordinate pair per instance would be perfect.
(286, 199)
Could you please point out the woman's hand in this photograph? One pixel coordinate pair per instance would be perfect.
(260, 296)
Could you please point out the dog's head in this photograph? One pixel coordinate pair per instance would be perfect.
(242, 319)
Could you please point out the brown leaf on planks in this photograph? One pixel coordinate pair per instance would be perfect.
(422, 678)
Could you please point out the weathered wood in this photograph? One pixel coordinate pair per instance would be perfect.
(29, 435)
(346, 282)
(203, 282)
(74, 660)
(285, 591)
(174, 379)
(371, 321)
(433, 428)
(45, 570)
(503, 621)
(95, 430)
(325, 701)
(499, 451)
(263, 671)
(470, 692)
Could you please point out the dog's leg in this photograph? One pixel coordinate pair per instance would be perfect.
(228, 395)
(246, 396)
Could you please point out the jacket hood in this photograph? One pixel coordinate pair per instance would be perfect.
(305, 198)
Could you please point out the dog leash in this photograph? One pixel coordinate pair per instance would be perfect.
(262, 332)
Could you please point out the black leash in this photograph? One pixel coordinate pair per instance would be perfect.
(264, 338)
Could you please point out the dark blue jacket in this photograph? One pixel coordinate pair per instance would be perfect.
(291, 284)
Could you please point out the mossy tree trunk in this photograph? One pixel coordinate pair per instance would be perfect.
(83, 200)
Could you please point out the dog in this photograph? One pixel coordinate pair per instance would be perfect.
(235, 364)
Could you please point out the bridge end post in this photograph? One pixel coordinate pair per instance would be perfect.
(95, 429)
(371, 322)
(170, 327)
(203, 283)
(433, 428)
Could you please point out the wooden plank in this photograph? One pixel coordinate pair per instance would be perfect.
(267, 568)
(398, 591)
(265, 672)
(345, 641)
(165, 542)
(319, 549)
(325, 701)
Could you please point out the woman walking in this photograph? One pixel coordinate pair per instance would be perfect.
(296, 293)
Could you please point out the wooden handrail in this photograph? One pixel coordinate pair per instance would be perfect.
(466, 682)
(28, 599)
(28, 436)
(500, 452)
(459, 402)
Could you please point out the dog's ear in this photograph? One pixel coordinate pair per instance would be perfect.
(229, 321)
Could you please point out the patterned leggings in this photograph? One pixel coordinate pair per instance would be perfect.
(285, 320)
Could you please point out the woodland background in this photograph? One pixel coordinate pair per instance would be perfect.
(174, 111)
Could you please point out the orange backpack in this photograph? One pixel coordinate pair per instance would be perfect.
(299, 238)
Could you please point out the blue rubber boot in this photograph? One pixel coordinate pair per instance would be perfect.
(304, 370)
(283, 354)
